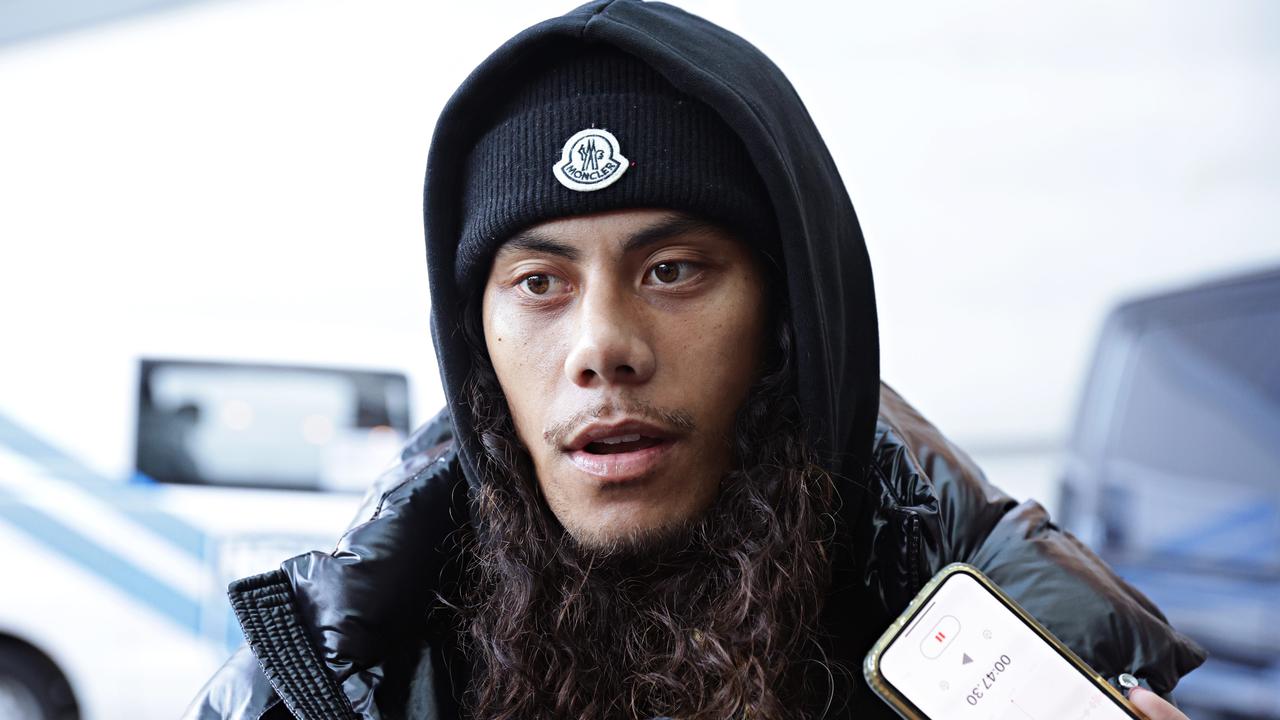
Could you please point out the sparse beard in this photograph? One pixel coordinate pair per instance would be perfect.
(636, 543)
(637, 551)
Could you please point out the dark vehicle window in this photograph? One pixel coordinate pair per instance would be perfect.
(267, 426)
(1194, 446)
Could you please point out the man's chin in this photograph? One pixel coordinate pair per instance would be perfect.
(640, 541)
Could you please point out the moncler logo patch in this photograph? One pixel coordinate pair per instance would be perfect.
(591, 160)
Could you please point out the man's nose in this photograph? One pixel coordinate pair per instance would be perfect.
(610, 346)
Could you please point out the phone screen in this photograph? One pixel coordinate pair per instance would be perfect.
(967, 655)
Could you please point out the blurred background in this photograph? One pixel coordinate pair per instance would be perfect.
(214, 311)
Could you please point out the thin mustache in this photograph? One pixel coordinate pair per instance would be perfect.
(558, 434)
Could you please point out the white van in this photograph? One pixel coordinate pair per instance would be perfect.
(112, 598)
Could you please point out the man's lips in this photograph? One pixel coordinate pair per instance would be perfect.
(601, 435)
(619, 451)
(622, 466)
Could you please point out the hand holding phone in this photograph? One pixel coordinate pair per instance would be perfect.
(964, 649)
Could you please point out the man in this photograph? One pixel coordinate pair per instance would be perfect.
(668, 481)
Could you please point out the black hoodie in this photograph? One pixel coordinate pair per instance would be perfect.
(341, 634)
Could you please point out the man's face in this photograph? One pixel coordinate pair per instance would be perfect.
(625, 342)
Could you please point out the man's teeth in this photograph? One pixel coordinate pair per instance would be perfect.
(619, 439)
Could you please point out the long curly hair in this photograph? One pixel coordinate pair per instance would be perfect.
(720, 622)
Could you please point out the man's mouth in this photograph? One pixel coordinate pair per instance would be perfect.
(620, 451)
(621, 444)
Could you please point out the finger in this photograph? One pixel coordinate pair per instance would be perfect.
(1154, 706)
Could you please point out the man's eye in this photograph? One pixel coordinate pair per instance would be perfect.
(667, 273)
(537, 284)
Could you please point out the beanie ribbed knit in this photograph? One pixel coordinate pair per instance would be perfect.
(681, 155)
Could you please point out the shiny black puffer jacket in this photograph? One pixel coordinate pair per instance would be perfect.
(344, 634)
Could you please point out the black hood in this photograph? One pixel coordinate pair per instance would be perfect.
(828, 273)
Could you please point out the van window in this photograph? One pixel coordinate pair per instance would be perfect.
(267, 426)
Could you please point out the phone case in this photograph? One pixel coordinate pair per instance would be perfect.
(871, 666)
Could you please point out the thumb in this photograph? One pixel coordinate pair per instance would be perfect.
(1154, 706)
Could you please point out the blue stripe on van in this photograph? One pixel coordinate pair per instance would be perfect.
(115, 570)
(129, 500)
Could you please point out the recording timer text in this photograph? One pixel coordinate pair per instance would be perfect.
(988, 680)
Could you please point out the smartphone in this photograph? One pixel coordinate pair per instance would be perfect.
(964, 650)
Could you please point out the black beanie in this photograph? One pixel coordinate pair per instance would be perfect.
(596, 129)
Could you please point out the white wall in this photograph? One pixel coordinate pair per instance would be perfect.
(244, 177)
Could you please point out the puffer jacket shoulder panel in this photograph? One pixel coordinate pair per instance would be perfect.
(900, 529)
(326, 620)
(933, 471)
(432, 441)
(237, 691)
(362, 600)
(961, 517)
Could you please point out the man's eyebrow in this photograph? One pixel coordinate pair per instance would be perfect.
(669, 227)
(536, 242)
